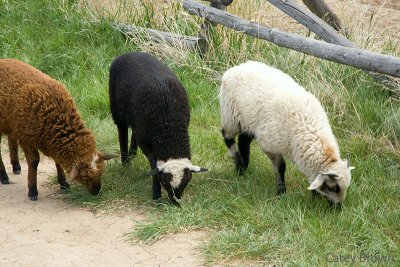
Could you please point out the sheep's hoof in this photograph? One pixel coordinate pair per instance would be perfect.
(4, 177)
(33, 193)
(16, 168)
(5, 181)
(241, 165)
(336, 206)
(64, 187)
(314, 194)
(281, 191)
(174, 203)
(240, 171)
(126, 160)
(157, 201)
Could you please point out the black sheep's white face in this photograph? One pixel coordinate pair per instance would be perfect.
(174, 175)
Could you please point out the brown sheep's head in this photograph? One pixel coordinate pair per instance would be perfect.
(89, 173)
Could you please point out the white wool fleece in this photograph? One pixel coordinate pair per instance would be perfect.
(284, 118)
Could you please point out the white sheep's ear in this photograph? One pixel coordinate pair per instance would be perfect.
(153, 172)
(348, 163)
(197, 169)
(317, 182)
(73, 173)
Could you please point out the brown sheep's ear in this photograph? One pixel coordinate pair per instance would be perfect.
(108, 157)
(73, 173)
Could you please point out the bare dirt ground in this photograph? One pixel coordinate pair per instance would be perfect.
(52, 232)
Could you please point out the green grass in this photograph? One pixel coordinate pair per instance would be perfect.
(242, 215)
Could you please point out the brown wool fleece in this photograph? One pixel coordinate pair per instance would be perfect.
(39, 112)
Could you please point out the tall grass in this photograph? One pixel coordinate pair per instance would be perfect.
(73, 42)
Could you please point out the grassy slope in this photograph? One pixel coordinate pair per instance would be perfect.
(246, 219)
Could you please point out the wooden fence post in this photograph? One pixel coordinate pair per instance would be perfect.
(204, 33)
(322, 10)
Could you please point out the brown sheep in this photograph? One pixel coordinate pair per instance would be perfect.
(39, 112)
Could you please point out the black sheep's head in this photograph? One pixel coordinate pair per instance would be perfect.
(174, 175)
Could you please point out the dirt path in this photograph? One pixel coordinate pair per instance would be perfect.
(51, 232)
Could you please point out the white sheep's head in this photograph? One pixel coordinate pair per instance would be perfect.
(174, 175)
(334, 182)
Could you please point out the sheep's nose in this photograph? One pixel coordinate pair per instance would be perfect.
(94, 189)
(175, 201)
(335, 205)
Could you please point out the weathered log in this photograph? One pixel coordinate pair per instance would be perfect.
(358, 58)
(322, 10)
(183, 41)
(326, 32)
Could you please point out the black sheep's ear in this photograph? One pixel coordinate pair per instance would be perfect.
(196, 169)
(153, 172)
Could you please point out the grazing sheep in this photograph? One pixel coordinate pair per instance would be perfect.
(39, 112)
(146, 96)
(261, 102)
(13, 150)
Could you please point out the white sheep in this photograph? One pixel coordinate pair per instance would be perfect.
(261, 102)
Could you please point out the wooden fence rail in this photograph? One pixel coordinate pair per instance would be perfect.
(325, 32)
(358, 58)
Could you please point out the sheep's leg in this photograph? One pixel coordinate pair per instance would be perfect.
(244, 152)
(61, 178)
(13, 147)
(279, 167)
(156, 186)
(156, 183)
(314, 194)
(3, 174)
(133, 146)
(123, 143)
(229, 140)
(32, 158)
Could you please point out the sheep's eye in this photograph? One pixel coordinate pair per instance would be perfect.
(335, 189)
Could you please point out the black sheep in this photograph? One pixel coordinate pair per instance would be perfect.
(146, 96)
